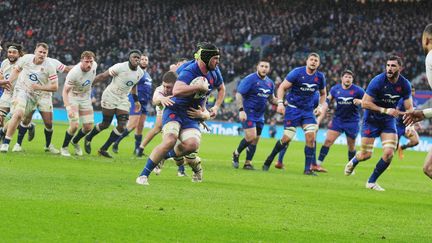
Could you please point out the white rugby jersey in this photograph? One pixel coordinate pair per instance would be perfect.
(6, 69)
(123, 78)
(43, 74)
(428, 63)
(59, 66)
(80, 81)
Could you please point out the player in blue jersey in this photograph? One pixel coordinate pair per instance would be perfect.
(279, 164)
(252, 94)
(407, 131)
(137, 119)
(304, 82)
(181, 120)
(346, 117)
(380, 100)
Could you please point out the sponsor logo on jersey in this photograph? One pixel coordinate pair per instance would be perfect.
(308, 87)
(33, 77)
(264, 92)
(87, 82)
(392, 99)
(345, 100)
(129, 83)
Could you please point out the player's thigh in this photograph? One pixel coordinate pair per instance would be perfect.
(190, 139)
(332, 135)
(389, 143)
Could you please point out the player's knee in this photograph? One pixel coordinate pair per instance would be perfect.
(87, 127)
(190, 145)
(48, 125)
(388, 157)
(73, 127)
(250, 138)
(427, 170)
(328, 142)
(289, 133)
(122, 120)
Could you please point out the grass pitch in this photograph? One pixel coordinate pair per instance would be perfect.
(48, 198)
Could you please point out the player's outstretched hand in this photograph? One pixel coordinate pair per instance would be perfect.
(411, 117)
(393, 112)
(5, 84)
(213, 111)
(167, 101)
(199, 113)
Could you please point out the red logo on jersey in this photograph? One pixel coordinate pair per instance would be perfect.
(211, 81)
(288, 123)
(269, 85)
(398, 89)
(172, 116)
(316, 79)
(351, 92)
(367, 132)
(249, 123)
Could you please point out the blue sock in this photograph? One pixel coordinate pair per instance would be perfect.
(123, 135)
(21, 133)
(309, 156)
(355, 161)
(380, 167)
(323, 153)
(170, 154)
(242, 145)
(78, 136)
(282, 154)
(48, 136)
(6, 140)
(113, 137)
(93, 132)
(250, 151)
(351, 154)
(67, 139)
(148, 168)
(181, 168)
(276, 149)
(138, 139)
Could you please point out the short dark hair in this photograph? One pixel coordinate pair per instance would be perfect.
(134, 51)
(169, 77)
(428, 29)
(395, 58)
(43, 44)
(313, 54)
(263, 60)
(347, 71)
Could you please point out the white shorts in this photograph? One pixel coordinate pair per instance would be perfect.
(6, 99)
(80, 104)
(111, 101)
(44, 102)
(28, 102)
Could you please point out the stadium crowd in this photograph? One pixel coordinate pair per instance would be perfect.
(347, 34)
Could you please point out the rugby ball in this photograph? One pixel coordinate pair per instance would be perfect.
(199, 81)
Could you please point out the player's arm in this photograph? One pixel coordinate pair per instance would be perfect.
(51, 87)
(283, 87)
(322, 106)
(102, 77)
(68, 68)
(13, 76)
(181, 89)
(368, 103)
(201, 113)
(134, 94)
(67, 88)
(159, 99)
(219, 100)
(240, 107)
(273, 100)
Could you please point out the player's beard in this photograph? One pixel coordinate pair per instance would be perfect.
(346, 85)
(143, 66)
(12, 59)
(392, 75)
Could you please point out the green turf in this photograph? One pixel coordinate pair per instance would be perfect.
(48, 198)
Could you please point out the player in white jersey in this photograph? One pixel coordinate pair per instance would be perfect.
(35, 74)
(14, 52)
(161, 98)
(115, 100)
(45, 107)
(415, 116)
(77, 100)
